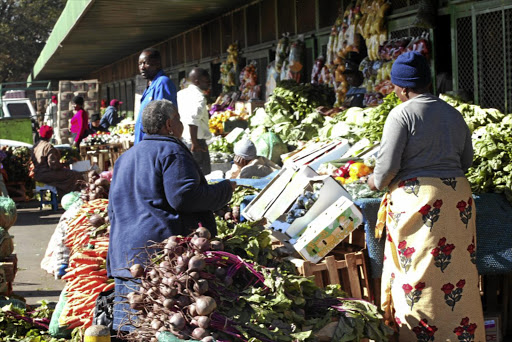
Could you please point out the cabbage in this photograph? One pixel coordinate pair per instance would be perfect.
(8, 212)
(269, 145)
(69, 199)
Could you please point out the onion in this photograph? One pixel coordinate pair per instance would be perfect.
(156, 324)
(194, 275)
(203, 232)
(217, 245)
(205, 305)
(183, 301)
(201, 287)
(201, 244)
(196, 263)
(199, 333)
(177, 321)
(220, 272)
(136, 302)
(192, 309)
(203, 321)
(137, 270)
(169, 303)
(102, 182)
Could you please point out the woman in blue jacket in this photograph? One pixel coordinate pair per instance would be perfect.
(158, 190)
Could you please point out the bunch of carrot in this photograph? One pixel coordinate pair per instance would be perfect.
(86, 275)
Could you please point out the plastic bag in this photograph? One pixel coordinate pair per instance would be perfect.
(295, 63)
(272, 79)
(69, 199)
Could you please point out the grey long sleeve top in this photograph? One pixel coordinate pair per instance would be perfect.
(423, 137)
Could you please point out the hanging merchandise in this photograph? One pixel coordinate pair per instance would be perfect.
(345, 38)
(272, 79)
(282, 51)
(228, 69)
(316, 73)
(248, 82)
(377, 73)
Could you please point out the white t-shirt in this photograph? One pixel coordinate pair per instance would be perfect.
(192, 108)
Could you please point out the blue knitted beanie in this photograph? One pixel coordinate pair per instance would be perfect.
(411, 70)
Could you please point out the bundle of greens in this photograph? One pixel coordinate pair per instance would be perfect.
(19, 324)
(290, 111)
(357, 123)
(491, 170)
(475, 116)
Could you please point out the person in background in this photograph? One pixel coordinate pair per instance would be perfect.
(3, 176)
(159, 86)
(247, 164)
(103, 106)
(94, 125)
(79, 122)
(50, 115)
(48, 168)
(354, 78)
(173, 198)
(429, 280)
(111, 116)
(195, 116)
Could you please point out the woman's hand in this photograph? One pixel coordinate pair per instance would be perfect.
(371, 183)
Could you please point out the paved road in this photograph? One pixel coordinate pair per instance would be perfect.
(32, 233)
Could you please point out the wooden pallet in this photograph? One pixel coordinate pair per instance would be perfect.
(351, 273)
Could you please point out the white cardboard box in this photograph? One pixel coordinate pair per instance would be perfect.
(328, 229)
(329, 193)
(317, 153)
(279, 195)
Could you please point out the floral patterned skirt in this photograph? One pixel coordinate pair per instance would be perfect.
(430, 281)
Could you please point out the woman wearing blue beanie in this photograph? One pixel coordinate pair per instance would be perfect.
(429, 281)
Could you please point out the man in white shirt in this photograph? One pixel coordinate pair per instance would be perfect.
(194, 116)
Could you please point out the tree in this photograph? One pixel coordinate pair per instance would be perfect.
(24, 27)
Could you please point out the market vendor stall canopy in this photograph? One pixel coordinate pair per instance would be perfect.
(91, 34)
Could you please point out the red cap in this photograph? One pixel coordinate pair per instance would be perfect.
(46, 132)
(54, 99)
(115, 102)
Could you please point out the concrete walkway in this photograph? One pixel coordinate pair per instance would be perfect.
(32, 232)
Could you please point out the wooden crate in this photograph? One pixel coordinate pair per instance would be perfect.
(351, 273)
(10, 267)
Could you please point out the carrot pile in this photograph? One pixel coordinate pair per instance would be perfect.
(86, 275)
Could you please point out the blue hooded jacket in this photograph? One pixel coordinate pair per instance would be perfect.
(157, 191)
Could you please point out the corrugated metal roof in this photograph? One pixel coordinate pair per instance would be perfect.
(93, 33)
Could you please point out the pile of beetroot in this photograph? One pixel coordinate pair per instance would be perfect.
(194, 289)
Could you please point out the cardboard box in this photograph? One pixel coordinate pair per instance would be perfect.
(279, 195)
(328, 229)
(329, 193)
(317, 153)
(492, 322)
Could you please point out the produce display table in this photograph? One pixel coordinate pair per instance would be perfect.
(494, 234)
(102, 155)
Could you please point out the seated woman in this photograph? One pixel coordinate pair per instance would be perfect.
(47, 166)
(247, 164)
